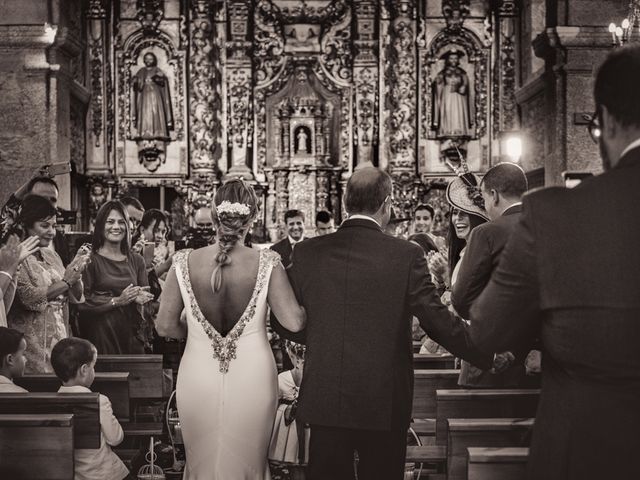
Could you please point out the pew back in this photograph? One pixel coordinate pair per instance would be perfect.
(36, 447)
(114, 385)
(85, 408)
(145, 373)
(482, 403)
(426, 382)
(431, 361)
(482, 432)
(497, 463)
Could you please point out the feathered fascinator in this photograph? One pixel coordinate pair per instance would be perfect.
(463, 192)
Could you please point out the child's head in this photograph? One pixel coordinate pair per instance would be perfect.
(12, 352)
(74, 359)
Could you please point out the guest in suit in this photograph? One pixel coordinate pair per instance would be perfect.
(12, 359)
(423, 216)
(135, 209)
(294, 224)
(569, 274)
(502, 188)
(324, 223)
(361, 288)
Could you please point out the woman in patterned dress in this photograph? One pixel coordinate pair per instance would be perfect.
(44, 287)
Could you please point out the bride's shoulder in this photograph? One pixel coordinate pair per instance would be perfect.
(270, 256)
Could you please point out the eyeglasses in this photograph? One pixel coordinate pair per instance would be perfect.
(595, 130)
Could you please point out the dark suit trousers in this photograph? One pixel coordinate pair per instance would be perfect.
(381, 454)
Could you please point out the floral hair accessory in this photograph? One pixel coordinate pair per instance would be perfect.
(234, 208)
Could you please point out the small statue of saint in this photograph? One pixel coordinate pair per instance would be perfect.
(302, 137)
(151, 110)
(451, 106)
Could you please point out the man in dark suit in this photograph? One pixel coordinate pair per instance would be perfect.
(360, 288)
(570, 274)
(502, 188)
(294, 224)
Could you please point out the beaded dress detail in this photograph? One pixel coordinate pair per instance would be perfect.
(227, 386)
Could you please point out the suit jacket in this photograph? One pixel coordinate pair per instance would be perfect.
(361, 288)
(284, 249)
(570, 274)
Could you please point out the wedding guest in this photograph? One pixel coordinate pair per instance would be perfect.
(569, 275)
(43, 185)
(423, 216)
(74, 361)
(44, 287)
(324, 223)
(467, 213)
(12, 359)
(116, 286)
(12, 254)
(294, 224)
(154, 229)
(135, 209)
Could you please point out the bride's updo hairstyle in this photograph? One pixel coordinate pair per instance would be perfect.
(234, 208)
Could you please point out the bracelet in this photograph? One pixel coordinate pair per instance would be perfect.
(67, 282)
(113, 302)
(6, 274)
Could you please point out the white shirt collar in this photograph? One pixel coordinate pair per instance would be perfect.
(4, 379)
(294, 242)
(74, 389)
(363, 217)
(511, 206)
(631, 146)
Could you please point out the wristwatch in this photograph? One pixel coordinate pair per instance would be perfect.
(113, 302)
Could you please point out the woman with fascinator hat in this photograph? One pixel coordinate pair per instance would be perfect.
(227, 388)
(467, 212)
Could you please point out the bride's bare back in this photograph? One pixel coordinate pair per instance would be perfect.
(224, 308)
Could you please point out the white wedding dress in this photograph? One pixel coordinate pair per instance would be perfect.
(227, 388)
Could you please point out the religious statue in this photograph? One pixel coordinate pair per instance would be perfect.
(152, 112)
(451, 105)
(302, 141)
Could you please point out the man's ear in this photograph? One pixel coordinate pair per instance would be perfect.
(495, 197)
(83, 369)
(607, 122)
(7, 360)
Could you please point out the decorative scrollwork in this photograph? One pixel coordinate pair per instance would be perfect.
(203, 95)
(455, 12)
(337, 56)
(150, 14)
(365, 86)
(238, 98)
(95, 50)
(508, 63)
(268, 55)
(401, 101)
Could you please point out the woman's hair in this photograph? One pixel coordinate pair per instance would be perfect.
(33, 209)
(457, 244)
(101, 222)
(69, 354)
(424, 241)
(153, 216)
(231, 224)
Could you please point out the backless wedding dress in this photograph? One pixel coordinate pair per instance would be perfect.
(227, 388)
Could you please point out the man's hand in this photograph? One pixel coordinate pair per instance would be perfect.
(502, 361)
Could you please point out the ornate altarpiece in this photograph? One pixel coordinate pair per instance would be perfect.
(293, 95)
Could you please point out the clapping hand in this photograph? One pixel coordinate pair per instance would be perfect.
(502, 361)
(27, 248)
(128, 295)
(437, 266)
(73, 273)
(144, 296)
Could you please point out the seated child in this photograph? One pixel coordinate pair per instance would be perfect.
(74, 359)
(289, 446)
(12, 359)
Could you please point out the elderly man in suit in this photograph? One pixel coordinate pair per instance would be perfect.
(570, 274)
(502, 188)
(360, 288)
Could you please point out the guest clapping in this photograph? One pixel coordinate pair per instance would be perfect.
(44, 286)
(116, 285)
(12, 254)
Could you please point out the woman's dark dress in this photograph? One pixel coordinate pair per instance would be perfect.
(118, 330)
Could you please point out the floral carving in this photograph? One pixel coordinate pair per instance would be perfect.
(95, 49)
(204, 125)
(508, 98)
(268, 55)
(150, 14)
(337, 57)
(455, 12)
(401, 99)
(366, 108)
(238, 98)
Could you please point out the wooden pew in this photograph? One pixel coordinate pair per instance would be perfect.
(431, 361)
(85, 408)
(482, 403)
(482, 432)
(38, 447)
(428, 456)
(497, 463)
(426, 382)
(115, 385)
(416, 346)
(145, 373)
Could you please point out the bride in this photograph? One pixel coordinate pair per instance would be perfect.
(227, 387)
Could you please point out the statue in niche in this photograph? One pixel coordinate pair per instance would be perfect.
(152, 112)
(451, 115)
(302, 141)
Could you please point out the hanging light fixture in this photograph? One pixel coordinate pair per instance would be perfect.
(621, 34)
